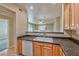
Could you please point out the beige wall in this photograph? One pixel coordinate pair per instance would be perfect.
(21, 18)
(17, 26)
(57, 25)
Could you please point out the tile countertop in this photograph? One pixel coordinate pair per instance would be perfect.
(70, 48)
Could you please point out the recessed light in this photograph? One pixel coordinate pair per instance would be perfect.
(20, 9)
(31, 7)
(53, 3)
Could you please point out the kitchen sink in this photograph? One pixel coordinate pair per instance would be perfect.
(44, 39)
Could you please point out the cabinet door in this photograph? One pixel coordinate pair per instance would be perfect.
(74, 10)
(77, 15)
(20, 46)
(72, 16)
(57, 51)
(61, 51)
(66, 16)
(42, 49)
(47, 51)
(36, 50)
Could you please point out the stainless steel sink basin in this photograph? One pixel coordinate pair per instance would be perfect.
(44, 39)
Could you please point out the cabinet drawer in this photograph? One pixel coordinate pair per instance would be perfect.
(37, 43)
(47, 44)
(43, 44)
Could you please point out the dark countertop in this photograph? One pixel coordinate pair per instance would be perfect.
(70, 48)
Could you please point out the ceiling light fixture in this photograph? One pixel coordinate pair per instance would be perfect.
(53, 3)
(31, 7)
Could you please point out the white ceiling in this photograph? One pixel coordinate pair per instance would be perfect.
(43, 11)
(47, 10)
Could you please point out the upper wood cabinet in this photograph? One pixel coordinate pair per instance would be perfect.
(66, 16)
(76, 15)
(71, 16)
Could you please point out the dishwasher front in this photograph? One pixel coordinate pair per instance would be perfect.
(27, 48)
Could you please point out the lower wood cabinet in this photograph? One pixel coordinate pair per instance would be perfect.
(36, 50)
(20, 42)
(46, 49)
(39, 49)
(57, 50)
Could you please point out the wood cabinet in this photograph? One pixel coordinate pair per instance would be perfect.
(71, 16)
(46, 49)
(57, 50)
(66, 16)
(74, 10)
(36, 50)
(40, 49)
(76, 15)
(20, 47)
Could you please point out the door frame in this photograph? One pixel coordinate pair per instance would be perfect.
(12, 29)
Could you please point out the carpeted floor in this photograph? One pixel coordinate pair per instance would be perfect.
(4, 52)
(3, 47)
(3, 44)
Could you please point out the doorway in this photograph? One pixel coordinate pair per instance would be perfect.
(8, 46)
(4, 35)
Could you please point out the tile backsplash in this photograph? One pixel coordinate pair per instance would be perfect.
(48, 34)
(77, 32)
